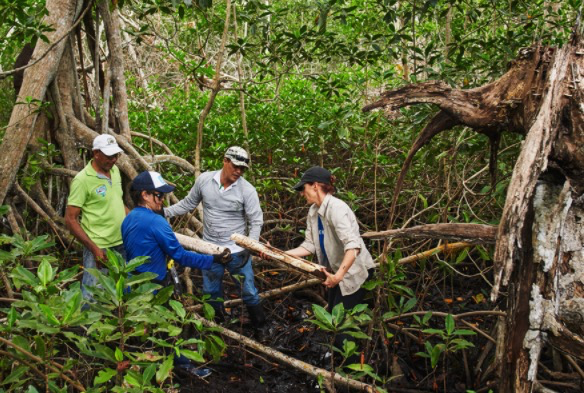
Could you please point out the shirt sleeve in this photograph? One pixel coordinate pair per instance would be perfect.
(308, 243)
(253, 213)
(77, 194)
(170, 246)
(342, 221)
(187, 205)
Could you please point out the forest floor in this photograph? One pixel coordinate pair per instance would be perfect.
(241, 370)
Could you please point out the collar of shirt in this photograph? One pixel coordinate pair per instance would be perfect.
(217, 179)
(91, 171)
(324, 205)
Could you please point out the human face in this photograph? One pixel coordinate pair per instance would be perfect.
(310, 193)
(153, 200)
(103, 161)
(231, 172)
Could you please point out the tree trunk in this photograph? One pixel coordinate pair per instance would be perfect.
(61, 14)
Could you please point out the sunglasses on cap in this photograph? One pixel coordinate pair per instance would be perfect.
(238, 158)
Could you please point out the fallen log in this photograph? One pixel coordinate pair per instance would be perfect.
(279, 255)
(429, 253)
(470, 233)
(279, 356)
(198, 245)
(425, 254)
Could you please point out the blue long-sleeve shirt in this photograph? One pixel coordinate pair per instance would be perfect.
(146, 233)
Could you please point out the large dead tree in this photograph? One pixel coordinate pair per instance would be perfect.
(539, 248)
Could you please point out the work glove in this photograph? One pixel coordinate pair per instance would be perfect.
(223, 258)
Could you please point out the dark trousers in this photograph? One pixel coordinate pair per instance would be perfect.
(334, 297)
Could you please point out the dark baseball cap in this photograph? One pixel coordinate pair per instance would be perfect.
(151, 181)
(315, 174)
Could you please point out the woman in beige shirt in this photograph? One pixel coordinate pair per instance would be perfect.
(332, 233)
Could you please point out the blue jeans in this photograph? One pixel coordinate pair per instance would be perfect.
(213, 279)
(89, 280)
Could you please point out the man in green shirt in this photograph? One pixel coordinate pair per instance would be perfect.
(96, 195)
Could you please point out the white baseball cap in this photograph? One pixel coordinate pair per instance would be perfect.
(238, 156)
(106, 144)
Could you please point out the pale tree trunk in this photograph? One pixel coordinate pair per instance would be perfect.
(216, 87)
(61, 14)
(114, 39)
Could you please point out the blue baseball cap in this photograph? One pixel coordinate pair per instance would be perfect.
(151, 181)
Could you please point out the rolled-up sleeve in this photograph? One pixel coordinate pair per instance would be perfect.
(253, 213)
(187, 205)
(348, 233)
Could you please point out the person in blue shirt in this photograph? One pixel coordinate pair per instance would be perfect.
(145, 232)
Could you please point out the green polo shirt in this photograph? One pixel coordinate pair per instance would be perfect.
(101, 203)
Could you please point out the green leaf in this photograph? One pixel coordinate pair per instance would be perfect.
(133, 378)
(359, 334)
(435, 355)
(45, 273)
(149, 373)
(72, 306)
(427, 317)
(21, 274)
(134, 263)
(338, 314)
(40, 346)
(410, 304)
(12, 316)
(137, 279)
(104, 376)
(360, 367)
(192, 355)
(163, 295)
(120, 285)
(433, 331)
(449, 324)
(15, 376)
(323, 316)
(49, 314)
(178, 308)
(119, 355)
(164, 369)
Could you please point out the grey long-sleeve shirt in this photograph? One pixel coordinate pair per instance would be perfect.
(225, 212)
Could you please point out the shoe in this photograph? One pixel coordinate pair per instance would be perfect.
(193, 371)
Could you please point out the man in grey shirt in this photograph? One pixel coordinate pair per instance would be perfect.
(230, 205)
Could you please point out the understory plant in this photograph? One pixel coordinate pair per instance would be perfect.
(125, 341)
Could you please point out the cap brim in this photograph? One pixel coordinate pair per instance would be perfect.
(111, 150)
(238, 163)
(300, 186)
(165, 188)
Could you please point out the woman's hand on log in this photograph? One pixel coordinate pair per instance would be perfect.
(331, 279)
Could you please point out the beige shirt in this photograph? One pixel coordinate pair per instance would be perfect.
(341, 233)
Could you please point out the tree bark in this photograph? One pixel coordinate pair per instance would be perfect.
(61, 14)
(278, 255)
(114, 40)
(470, 233)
